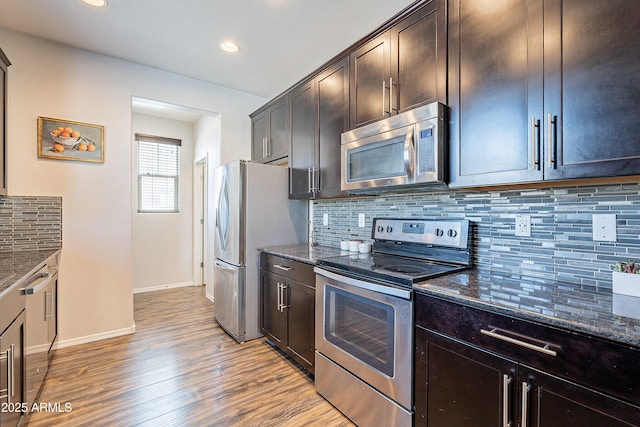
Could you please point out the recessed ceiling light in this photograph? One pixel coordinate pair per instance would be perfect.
(229, 46)
(96, 3)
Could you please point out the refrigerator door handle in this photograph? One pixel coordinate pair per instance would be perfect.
(223, 226)
(224, 266)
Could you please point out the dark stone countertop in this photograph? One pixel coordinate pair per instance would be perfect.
(305, 253)
(15, 266)
(595, 312)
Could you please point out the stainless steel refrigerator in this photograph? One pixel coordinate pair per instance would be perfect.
(253, 210)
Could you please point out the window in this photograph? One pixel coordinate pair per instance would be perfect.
(158, 174)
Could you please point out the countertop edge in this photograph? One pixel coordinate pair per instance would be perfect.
(552, 321)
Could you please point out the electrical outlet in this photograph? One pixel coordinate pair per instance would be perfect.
(523, 225)
(604, 228)
(325, 219)
(361, 220)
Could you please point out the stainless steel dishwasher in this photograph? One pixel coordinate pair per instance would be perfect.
(41, 290)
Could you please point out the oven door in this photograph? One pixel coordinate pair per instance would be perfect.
(367, 328)
(381, 160)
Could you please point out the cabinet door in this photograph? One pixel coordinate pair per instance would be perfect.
(592, 88)
(272, 318)
(460, 385)
(333, 120)
(12, 371)
(259, 133)
(4, 63)
(419, 58)
(496, 91)
(278, 143)
(370, 73)
(301, 313)
(302, 158)
(553, 402)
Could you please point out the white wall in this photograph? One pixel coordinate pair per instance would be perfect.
(50, 80)
(162, 242)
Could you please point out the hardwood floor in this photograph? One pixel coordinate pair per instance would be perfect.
(179, 369)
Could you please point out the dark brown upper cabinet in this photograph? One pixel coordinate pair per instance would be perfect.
(319, 112)
(269, 129)
(4, 64)
(543, 90)
(402, 67)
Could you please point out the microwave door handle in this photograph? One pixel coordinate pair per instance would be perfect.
(409, 153)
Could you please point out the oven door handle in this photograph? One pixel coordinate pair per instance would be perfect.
(370, 286)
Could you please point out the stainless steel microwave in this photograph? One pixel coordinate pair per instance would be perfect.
(407, 149)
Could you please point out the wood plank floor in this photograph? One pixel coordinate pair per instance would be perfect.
(179, 369)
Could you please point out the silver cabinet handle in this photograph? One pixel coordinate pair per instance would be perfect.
(282, 267)
(525, 404)
(313, 180)
(391, 109)
(284, 297)
(493, 334)
(506, 382)
(13, 372)
(279, 296)
(48, 308)
(264, 146)
(535, 143)
(5, 356)
(384, 90)
(551, 144)
(309, 180)
(268, 146)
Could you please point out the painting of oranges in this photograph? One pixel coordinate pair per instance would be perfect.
(68, 140)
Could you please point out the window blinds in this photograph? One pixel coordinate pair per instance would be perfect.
(158, 174)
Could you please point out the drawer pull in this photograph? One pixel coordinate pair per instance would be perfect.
(282, 267)
(493, 334)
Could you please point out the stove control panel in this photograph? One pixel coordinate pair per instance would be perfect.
(450, 233)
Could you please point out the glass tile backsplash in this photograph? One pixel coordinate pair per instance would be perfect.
(561, 246)
(30, 223)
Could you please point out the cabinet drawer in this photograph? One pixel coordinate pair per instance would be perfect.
(606, 366)
(288, 268)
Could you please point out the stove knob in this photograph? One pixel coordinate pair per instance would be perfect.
(452, 233)
(439, 232)
(389, 229)
(380, 229)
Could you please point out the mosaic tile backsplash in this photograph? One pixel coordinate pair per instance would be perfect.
(561, 246)
(30, 223)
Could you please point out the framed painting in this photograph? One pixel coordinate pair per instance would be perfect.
(67, 140)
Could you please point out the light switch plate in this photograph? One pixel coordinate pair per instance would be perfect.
(604, 228)
(361, 220)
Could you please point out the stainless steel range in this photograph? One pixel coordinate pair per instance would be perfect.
(364, 316)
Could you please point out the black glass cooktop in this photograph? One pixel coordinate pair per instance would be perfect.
(391, 268)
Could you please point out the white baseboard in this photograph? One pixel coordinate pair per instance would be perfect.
(95, 337)
(160, 287)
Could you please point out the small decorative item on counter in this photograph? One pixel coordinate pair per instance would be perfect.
(626, 278)
(353, 245)
(364, 247)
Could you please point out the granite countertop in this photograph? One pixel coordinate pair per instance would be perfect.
(17, 265)
(578, 308)
(305, 253)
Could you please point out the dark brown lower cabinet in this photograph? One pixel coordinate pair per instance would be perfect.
(462, 384)
(12, 373)
(287, 308)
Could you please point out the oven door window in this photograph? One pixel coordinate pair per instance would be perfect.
(379, 160)
(361, 327)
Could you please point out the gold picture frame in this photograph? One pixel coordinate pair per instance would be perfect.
(68, 140)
